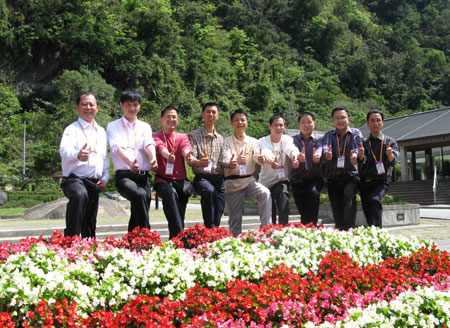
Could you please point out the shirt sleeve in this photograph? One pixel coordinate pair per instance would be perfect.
(115, 137)
(68, 148)
(193, 143)
(148, 138)
(184, 143)
(159, 144)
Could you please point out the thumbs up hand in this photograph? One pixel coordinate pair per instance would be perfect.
(316, 156)
(134, 167)
(83, 155)
(295, 163)
(361, 151)
(171, 158)
(389, 152)
(204, 161)
(274, 163)
(302, 156)
(241, 159)
(354, 157)
(261, 158)
(233, 162)
(328, 153)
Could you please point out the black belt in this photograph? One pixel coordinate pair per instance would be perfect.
(140, 172)
(234, 177)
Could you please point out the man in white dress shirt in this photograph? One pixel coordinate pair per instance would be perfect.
(131, 144)
(85, 166)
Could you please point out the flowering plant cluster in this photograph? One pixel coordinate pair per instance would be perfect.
(274, 277)
(198, 235)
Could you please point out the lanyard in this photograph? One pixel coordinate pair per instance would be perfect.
(213, 142)
(87, 140)
(281, 151)
(381, 151)
(236, 148)
(306, 148)
(338, 146)
(134, 136)
(174, 140)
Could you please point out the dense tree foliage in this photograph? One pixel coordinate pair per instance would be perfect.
(266, 56)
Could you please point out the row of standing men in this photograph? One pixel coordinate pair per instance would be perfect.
(224, 167)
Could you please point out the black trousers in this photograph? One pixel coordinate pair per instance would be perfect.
(280, 202)
(138, 190)
(372, 193)
(81, 211)
(342, 194)
(174, 205)
(307, 198)
(211, 188)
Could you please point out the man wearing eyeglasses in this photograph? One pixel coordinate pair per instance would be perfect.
(131, 145)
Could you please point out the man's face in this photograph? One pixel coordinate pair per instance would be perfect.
(169, 120)
(306, 125)
(87, 108)
(375, 123)
(341, 120)
(130, 109)
(210, 114)
(277, 127)
(239, 123)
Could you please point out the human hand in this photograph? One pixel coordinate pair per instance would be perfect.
(316, 156)
(83, 155)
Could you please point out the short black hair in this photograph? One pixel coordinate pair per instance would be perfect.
(210, 104)
(169, 107)
(306, 114)
(275, 117)
(374, 111)
(335, 109)
(238, 111)
(87, 93)
(131, 95)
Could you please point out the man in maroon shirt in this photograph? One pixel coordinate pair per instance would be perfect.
(171, 150)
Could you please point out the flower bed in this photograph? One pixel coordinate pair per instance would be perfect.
(273, 277)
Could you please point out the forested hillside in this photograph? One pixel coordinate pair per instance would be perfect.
(266, 56)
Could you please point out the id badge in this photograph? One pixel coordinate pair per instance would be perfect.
(380, 168)
(208, 169)
(92, 160)
(341, 162)
(242, 169)
(280, 172)
(169, 168)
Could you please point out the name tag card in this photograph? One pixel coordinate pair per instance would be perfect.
(208, 169)
(242, 169)
(280, 172)
(93, 158)
(169, 168)
(380, 168)
(340, 162)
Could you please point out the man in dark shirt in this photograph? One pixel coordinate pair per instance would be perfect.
(377, 156)
(340, 148)
(306, 182)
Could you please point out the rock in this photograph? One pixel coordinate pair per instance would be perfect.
(57, 210)
(3, 198)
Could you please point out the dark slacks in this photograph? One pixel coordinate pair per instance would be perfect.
(211, 188)
(81, 211)
(371, 195)
(174, 205)
(307, 198)
(280, 202)
(138, 190)
(342, 194)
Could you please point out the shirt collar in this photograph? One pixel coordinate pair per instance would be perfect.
(349, 129)
(312, 136)
(85, 124)
(205, 133)
(128, 123)
(379, 137)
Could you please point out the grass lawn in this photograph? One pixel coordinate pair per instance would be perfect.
(12, 211)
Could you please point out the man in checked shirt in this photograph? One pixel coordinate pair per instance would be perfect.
(207, 165)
